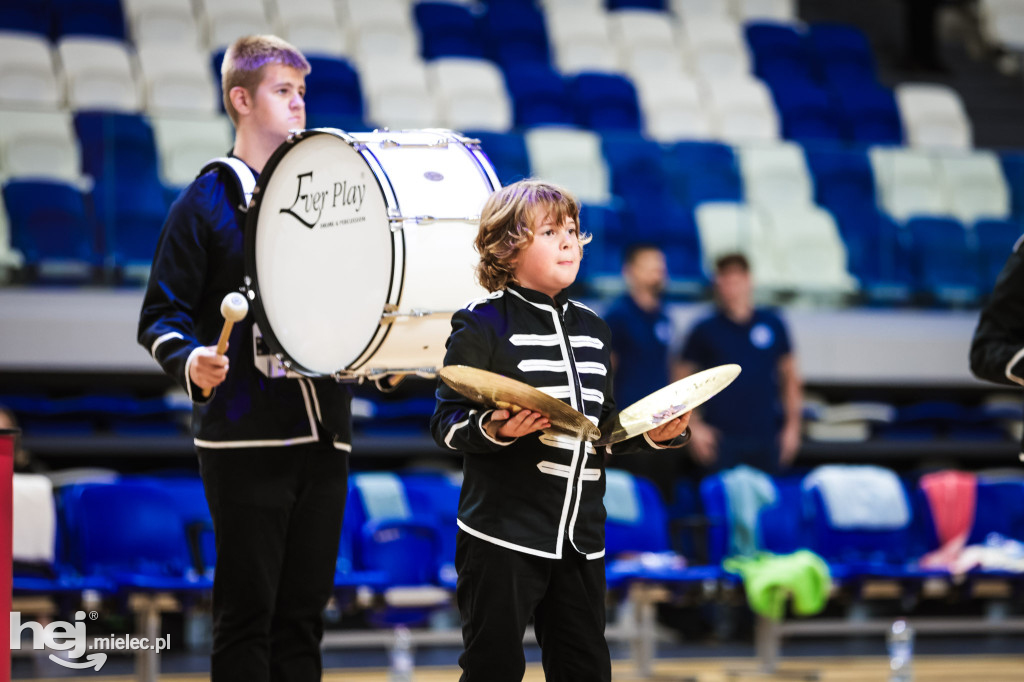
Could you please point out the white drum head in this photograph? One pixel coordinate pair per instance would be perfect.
(322, 253)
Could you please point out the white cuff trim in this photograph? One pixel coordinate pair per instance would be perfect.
(165, 337)
(653, 444)
(188, 379)
(1009, 366)
(480, 423)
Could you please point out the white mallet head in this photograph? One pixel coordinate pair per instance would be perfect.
(234, 307)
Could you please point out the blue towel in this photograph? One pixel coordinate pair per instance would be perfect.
(747, 491)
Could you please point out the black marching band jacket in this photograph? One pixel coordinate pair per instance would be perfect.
(997, 349)
(199, 259)
(540, 494)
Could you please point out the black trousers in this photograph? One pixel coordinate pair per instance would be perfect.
(277, 516)
(499, 589)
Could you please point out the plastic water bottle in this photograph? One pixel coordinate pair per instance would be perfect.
(401, 656)
(900, 641)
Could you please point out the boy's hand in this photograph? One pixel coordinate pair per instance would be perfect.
(671, 429)
(500, 425)
(208, 369)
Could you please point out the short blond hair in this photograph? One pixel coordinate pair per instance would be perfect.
(247, 59)
(506, 223)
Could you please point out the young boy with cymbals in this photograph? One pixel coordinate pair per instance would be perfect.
(531, 513)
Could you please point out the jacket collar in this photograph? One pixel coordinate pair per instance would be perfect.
(534, 296)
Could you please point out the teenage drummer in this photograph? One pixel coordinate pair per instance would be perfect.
(272, 452)
(531, 513)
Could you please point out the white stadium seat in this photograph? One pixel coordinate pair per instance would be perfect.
(809, 249)
(933, 116)
(28, 77)
(727, 227)
(763, 10)
(175, 79)
(99, 74)
(471, 93)
(39, 144)
(907, 182)
(742, 110)
(185, 144)
(163, 21)
(571, 158)
(775, 175)
(581, 40)
(672, 107)
(975, 185)
(716, 47)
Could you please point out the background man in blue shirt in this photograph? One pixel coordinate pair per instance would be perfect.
(641, 333)
(756, 420)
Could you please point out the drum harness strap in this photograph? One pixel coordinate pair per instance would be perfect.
(245, 181)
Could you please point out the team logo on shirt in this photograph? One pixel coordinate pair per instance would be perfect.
(761, 336)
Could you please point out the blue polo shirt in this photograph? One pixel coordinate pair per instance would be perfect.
(751, 407)
(640, 340)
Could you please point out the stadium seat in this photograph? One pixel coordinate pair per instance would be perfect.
(27, 72)
(703, 171)
(1013, 169)
(691, 9)
(775, 175)
(726, 227)
(975, 185)
(514, 33)
(571, 158)
(996, 239)
(38, 145)
(810, 248)
(933, 116)
(99, 74)
(313, 27)
(877, 253)
(742, 110)
(186, 144)
(581, 39)
(758, 10)
(176, 80)
(871, 114)
(646, 38)
(10, 258)
(88, 18)
(604, 101)
(471, 94)
(807, 111)
(716, 48)
(332, 90)
(226, 20)
(161, 22)
(842, 53)
(779, 50)
(539, 95)
(907, 182)
(507, 153)
(842, 177)
(384, 27)
(945, 264)
(27, 17)
(438, 492)
(50, 227)
(672, 106)
(448, 30)
(397, 93)
(1000, 509)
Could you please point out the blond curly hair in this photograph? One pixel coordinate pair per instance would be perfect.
(506, 223)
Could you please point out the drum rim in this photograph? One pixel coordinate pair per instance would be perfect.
(252, 284)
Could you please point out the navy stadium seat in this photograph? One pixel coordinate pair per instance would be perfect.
(806, 109)
(703, 171)
(636, 4)
(507, 153)
(779, 51)
(604, 101)
(841, 51)
(88, 18)
(872, 116)
(514, 33)
(49, 224)
(539, 95)
(945, 265)
(332, 93)
(842, 176)
(438, 493)
(877, 252)
(1013, 167)
(30, 17)
(448, 30)
(996, 239)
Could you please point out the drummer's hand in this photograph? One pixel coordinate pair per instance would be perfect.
(670, 429)
(508, 427)
(208, 368)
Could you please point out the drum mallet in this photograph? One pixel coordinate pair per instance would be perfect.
(234, 308)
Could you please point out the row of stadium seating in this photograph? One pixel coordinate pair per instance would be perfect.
(149, 534)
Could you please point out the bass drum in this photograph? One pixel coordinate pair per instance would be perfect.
(359, 247)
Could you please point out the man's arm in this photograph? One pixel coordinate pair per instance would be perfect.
(792, 407)
(997, 349)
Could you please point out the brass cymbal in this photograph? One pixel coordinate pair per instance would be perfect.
(667, 403)
(500, 392)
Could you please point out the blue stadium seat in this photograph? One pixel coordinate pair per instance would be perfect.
(703, 171)
(1000, 509)
(779, 51)
(806, 109)
(872, 116)
(1013, 167)
(603, 255)
(945, 264)
(514, 33)
(507, 152)
(51, 227)
(637, 4)
(841, 51)
(189, 498)
(439, 493)
(877, 252)
(448, 30)
(88, 17)
(604, 101)
(30, 17)
(842, 177)
(332, 92)
(995, 239)
(637, 170)
(539, 95)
